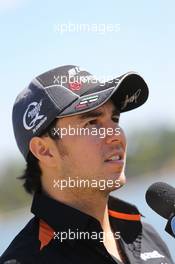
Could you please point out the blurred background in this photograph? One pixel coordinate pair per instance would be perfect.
(39, 35)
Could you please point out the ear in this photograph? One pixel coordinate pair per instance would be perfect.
(42, 150)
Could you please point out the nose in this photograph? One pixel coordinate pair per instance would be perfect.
(116, 134)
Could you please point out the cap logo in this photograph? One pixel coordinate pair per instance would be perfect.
(75, 86)
(86, 101)
(132, 99)
(31, 115)
(73, 71)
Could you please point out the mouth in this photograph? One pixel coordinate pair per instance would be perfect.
(116, 158)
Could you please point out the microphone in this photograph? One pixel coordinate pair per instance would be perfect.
(160, 197)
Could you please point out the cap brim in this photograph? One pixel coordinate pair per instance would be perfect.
(128, 92)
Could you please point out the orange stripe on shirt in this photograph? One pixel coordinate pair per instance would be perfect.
(46, 233)
(124, 216)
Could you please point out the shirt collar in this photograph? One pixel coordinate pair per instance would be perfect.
(57, 215)
(123, 216)
(126, 218)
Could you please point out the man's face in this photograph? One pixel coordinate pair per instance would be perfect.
(93, 156)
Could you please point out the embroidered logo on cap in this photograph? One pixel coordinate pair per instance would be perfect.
(31, 116)
(75, 86)
(132, 99)
(86, 101)
(73, 71)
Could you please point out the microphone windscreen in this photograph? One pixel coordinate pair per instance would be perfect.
(160, 197)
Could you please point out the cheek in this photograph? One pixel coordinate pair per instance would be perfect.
(123, 138)
(86, 149)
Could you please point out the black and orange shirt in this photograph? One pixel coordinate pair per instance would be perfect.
(60, 234)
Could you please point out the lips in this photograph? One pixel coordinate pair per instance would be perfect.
(114, 157)
(117, 156)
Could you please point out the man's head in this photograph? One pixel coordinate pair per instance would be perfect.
(68, 101)
(93, 152)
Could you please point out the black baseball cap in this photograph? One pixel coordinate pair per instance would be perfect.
(69, 90)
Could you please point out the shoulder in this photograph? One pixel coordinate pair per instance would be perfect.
(25, 246)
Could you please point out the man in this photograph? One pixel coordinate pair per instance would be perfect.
(66, 125)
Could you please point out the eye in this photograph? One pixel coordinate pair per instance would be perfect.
(115, 118)
(91, 122)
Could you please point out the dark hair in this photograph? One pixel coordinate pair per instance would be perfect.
(32, 172)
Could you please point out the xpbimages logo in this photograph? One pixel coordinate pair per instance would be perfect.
(85, 235)
(101, 132)
(101, 184)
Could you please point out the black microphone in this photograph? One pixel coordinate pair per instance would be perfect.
(160, 197)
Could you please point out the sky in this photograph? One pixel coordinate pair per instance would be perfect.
(142, 39)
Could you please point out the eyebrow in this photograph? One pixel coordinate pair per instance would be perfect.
(96, 113)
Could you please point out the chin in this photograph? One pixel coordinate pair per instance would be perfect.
(122, 179)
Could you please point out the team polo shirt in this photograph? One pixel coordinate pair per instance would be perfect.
(60, 234)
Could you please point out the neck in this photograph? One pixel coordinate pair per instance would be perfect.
(93, 203)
